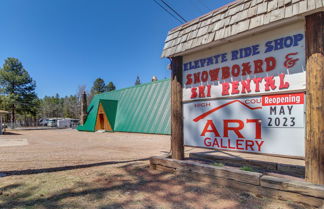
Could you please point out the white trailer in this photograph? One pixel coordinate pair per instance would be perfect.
(64, 123)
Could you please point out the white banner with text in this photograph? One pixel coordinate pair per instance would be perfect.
(272, 124)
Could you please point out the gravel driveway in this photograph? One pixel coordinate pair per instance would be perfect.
(68, 147)
(69, 169)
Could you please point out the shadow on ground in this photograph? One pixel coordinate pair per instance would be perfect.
(10, 133)
(64, 168)
(131, 185)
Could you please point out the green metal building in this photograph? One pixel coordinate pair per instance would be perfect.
(144, 109)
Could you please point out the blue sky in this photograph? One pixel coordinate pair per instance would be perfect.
(67, 43)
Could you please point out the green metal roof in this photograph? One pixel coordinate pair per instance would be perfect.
(144, 108)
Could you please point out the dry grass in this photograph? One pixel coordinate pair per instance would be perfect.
(124, 185)
(70, 169)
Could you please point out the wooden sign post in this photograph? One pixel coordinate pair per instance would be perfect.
(177, 147)
(314, 159)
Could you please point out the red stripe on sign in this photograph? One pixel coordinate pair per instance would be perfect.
(202, 116)
(283, 99)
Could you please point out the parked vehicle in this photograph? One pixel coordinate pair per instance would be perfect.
(64, 123)
(43, 121)
(74, 123)
(52, 122)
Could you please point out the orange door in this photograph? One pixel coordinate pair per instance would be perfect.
(102, 122)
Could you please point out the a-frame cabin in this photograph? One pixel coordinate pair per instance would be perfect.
(106, 115)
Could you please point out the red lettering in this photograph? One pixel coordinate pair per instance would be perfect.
(249, 143)
(201, 91)
(257, 82)
(214, 74)
(225, 73)
(239, 143)
(258, 66)
(257, 127)
(246, 86)
(208, 143)
(270, 83)
(212, 129)
(189, 79)
(221, 141)
(283, 84)
(235, 85)
(259, 144)
(197, 77)
(204, 76)
(225, 89)
(215, 143)
(236, 130)
(236, 70)
(209, 90)
(193, 93)
(246, 68)
(270, 63)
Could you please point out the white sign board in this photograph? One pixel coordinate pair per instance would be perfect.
(262, 72)
(272, 124)
(269, 62)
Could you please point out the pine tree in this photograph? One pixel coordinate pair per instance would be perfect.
(19, 88)
(98, 86)
(110, 86)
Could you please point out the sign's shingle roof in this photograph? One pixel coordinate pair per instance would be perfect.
(234, 18)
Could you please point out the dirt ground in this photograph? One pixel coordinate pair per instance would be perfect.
(71, 169)
(67, 147)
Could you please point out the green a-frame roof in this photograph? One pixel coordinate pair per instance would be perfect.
(144, 109)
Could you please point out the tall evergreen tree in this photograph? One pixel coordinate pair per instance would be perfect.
(110, 86)
(19, 88)
(98, 86)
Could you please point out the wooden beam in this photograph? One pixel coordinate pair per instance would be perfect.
(289, 185)
(257, 183)
(176, 109)
(210, 170)
(315, 98)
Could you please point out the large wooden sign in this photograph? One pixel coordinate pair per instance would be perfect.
(248, 95)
